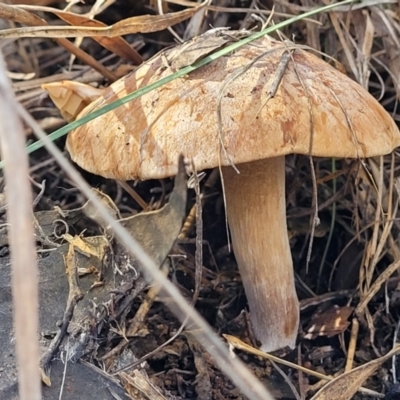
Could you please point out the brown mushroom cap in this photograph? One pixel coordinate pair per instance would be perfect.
(143, 138)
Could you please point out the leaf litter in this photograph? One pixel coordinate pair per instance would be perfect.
(99, 273)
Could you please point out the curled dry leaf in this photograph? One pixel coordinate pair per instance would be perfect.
(71, 97)
(143, 24)
(345, 386)
(329, 322)
(156, 231)
(116, 45)
(17, 14)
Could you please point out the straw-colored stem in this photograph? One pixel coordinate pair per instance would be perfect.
(257, 220)
(21, 239)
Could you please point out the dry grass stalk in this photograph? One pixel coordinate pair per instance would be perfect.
(23, 255)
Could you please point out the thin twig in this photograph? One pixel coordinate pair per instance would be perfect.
(135, 195)
(199, 236)
(287, 380)
(65, 370)
(74, 296)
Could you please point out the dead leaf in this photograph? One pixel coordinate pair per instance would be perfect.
(46, 221)
(17, 14)
(346, 385)
(329, 321)
(156, 231)
(116, 45)
(91, 211)
(142, 23)
(92, 246)
(71, 97)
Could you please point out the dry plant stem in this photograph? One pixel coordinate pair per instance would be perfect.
(16, 14)
(257, 219)
(143, 384)
(238, 344)
(352, 345)
(382, 278)
(248, 384)
(287, 380)
(21, 239)
(135, 195)
(137, 321)
(74, 296)
(140, 316)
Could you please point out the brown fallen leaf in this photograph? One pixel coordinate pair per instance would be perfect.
(71, 97)
(346, 385)
(92, 246)
(142, 23)
(329, 321)
(116, 45)
(156, 231)
(238, 344)
(17, 14)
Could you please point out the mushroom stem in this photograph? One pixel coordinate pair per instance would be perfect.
(256, 212)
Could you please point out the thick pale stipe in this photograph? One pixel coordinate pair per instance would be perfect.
(257, 219)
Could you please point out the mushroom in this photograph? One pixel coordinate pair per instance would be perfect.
(316, 110)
